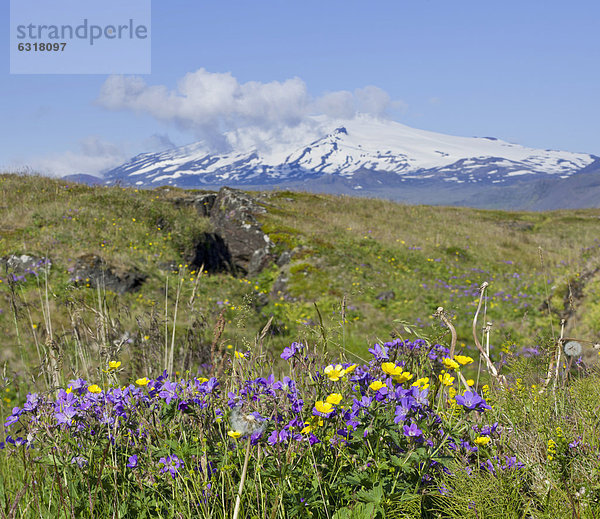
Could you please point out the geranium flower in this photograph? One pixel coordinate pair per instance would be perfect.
(472, 401)
(412, 431)
(291, 350)
(171, 464)
(379, 352)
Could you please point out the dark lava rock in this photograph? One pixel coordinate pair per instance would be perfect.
(212, 254)
(202, 202)
(24, 264)
(233, 218)
(284, 258)
(93, 270)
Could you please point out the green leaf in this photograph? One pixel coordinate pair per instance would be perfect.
(360, 511)
(375, 495)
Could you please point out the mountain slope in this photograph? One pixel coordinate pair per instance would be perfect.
(361, 151)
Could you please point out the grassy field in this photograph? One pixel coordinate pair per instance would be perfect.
(346, 253)
(109, 434)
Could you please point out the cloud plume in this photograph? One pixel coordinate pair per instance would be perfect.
(209, 104)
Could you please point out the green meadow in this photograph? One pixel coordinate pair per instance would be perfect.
(157, 402)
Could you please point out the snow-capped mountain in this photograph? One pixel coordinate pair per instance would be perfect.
(362, 152)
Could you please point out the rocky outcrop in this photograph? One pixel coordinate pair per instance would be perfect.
(91, 270)
(212, 255)
(237, 244)
(203, 202)
(24, 264)
(233, 218)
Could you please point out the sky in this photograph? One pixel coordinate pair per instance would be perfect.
(524, 71)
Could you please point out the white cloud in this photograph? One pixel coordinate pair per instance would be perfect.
(208, 104)
(92, 157)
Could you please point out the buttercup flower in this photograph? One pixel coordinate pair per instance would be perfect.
(423, 383)
(142, 381)
(482, 440)
(94, 388)
(405, 376)
(391, 369)
(334, 372)
(114, 364)
(449, 363)
(463, 359)
(323, 407)
(350, 369)
(334, 398)
(377, 385)
(446, 379)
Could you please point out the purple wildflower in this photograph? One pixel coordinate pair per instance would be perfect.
(412, 431)
(472, 401)
(379, 352)
(170, 464)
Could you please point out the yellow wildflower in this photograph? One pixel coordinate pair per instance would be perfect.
(142, 381)
(423, 383)
(334, 372)
(239, 355)
(323, 407)
(94, 388)
(350, 369)
(334, 398)
(234, 434)
(482, 440)
(470, 382)
(391, 369)
(449, 363)
(463, 359)
(403, 377)
(114, 364)
(377, 385)
(446, 379)
(307, 428)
